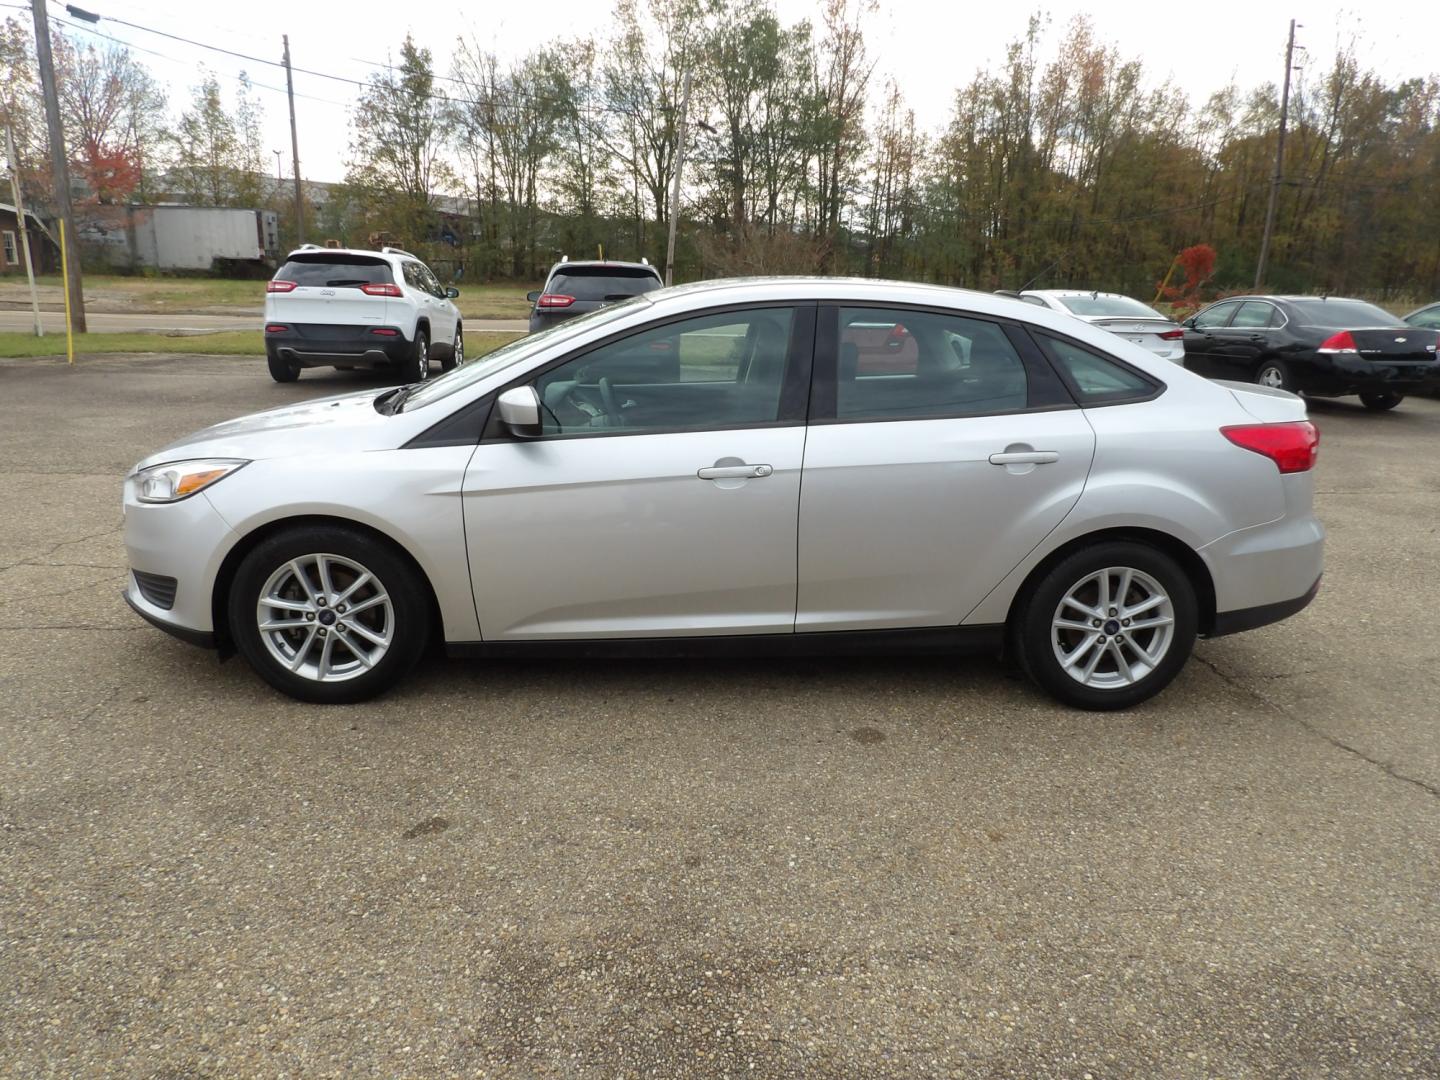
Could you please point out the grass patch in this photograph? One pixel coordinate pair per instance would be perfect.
(227, 343)
(161, 295)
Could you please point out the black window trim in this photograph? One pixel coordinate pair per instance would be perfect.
(794, 389)
(1039, 372)
(1041, 334)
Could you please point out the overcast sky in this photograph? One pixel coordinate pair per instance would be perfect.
(930, 46)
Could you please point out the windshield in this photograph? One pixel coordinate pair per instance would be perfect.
(428, 393)
(1114, 306)
(1342, 314)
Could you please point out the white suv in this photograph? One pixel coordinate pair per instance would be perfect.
(343, 308)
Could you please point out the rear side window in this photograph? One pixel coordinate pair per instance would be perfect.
(1095, 379)
(610, 283)
(1254, 314)
(335, 271)
(908, 365)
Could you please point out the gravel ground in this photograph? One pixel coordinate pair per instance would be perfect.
(887, 868)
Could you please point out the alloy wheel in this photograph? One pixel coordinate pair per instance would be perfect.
(1112, 628)
(325, 618)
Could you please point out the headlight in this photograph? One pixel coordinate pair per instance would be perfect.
(177, 480)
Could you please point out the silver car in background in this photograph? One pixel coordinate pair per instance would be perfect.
(1137, 323)
(786, 465)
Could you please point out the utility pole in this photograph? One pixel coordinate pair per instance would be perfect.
(294, 146)
(1276, 180)
(13, 164)
(46, 64)
(679, 168)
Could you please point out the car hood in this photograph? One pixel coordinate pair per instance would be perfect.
(348, 421)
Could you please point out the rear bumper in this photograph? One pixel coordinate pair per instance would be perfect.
(1334, 376)
(316, 345)
(1235, 622)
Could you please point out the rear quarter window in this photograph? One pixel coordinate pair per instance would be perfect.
(1095, 379)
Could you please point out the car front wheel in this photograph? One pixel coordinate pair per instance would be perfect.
(1108, 627)
(328, 614)
(1381, 401)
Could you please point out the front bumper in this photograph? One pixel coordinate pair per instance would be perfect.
(187, 541)
(325, 345)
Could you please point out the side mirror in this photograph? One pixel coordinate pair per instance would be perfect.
(451, 293)
(533, 296)
(520, 411)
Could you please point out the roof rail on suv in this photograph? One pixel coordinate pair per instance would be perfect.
(395, 251)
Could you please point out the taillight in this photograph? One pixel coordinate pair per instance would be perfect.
(275, 328)
(1171, 335)
(1343, 342)
(555, 300)
(279, 286)
(1293, 447)
(381, 290)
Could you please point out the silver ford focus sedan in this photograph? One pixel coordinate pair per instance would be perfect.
(783, 465)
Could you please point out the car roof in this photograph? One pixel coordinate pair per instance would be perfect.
(588, 263)
(317, 250)
(1075, 292)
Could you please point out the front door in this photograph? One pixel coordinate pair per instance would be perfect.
(931, 469)
(661, 498)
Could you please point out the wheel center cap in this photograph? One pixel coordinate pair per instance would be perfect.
(327, 617)
(1111, 628)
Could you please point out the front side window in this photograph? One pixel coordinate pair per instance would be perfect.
(429, 282)
(714, 371)
(1096, 379)
(1217, 315)
(906, 365)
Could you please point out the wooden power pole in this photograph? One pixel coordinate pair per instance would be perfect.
(679, 168)
(294, 146)
(1278, 178)
(46, 62)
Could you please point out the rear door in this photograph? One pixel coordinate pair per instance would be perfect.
(329, 289)
(931, 470)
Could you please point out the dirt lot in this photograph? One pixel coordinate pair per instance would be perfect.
(764, 869)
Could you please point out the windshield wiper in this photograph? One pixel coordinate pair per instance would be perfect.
(388, 403)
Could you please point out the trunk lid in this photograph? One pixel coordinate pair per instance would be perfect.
(1264, 403)
(1396, 343)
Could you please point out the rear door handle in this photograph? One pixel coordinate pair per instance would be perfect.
(1025, 457)
(734, 472)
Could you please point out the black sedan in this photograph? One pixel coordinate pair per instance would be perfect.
(1316, 345)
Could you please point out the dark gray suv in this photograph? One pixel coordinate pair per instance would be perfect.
(573, 288)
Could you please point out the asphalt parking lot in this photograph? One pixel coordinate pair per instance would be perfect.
(849, 868)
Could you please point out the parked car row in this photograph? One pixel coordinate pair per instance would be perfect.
(1322, 346)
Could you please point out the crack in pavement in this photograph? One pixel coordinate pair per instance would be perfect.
(1315, 730)
(29, 560)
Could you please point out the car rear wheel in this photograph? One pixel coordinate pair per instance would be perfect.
(1108, 627)
(1378, 401)
(417, 367)
(328, 614)
(1274, 374)
(457, 352)
(281, 370)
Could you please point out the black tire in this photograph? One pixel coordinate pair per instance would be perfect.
(1275, 374)
(281, 370)
(457, 351)
(407, 618)
(417, 366)
(1031, 626)
(1381, 401)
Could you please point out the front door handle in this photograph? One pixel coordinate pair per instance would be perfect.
(734, 472)
(1025, 457)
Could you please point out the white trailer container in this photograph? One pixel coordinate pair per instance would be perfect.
(198, 237)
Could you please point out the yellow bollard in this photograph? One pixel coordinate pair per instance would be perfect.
(65, 274)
